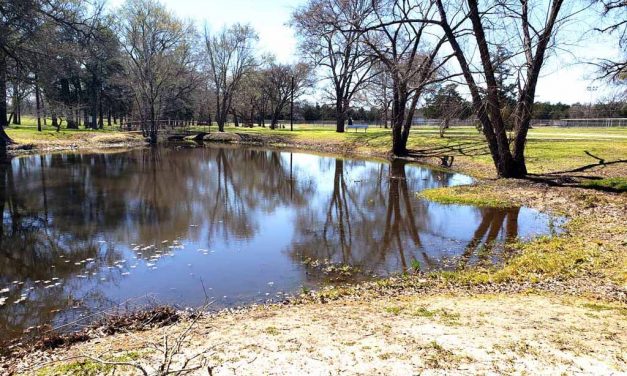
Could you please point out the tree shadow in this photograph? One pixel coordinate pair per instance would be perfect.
(573, 178)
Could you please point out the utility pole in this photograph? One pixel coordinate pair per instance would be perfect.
(292, 107)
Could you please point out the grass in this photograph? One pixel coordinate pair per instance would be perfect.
(440, 358)
(466, 195)
(26, 136)
(394, 310)
(549, 149)
(88, 367)
(544, 258)
(271, 330)
(608, 184)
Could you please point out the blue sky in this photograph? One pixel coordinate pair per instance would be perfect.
(565, 79)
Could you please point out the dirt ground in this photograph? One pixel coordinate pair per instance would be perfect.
(414, 335)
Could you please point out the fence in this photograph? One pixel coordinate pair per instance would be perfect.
(601, 122)
(183, 125)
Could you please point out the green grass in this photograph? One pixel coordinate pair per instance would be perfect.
(544, 258)
(549, 149)
(609, 184)
(27, 135)
(88, 367)
(394, 310)
(480, 196)
(273, 331)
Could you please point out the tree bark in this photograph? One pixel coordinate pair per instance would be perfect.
(38, 103)
(340, 114)
(3, 91)
(5, 140)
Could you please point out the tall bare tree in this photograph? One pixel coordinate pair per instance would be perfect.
(528, 28)
(280, 83)
(160, 55)
(231, 56)
(409, 51)
(326, 42)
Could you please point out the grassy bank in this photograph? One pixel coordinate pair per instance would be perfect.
(549, 149)
(27, 138)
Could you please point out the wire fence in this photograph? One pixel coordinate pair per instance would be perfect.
(187, 125)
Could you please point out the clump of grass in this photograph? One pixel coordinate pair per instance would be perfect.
(396, 310)
(271, 330)
(599, 307)
(415, 265)
(445, 316)
(424, 312)
(609, 184)
(441, 358)
(556, 257)
(481, 196)
(88, 367)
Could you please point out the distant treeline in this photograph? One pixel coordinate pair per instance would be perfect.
(554, 111)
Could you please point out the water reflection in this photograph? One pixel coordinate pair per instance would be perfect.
(82, 232)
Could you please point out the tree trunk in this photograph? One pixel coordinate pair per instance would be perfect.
(399, 135)
(38, 104)
(153, 125)
(16, 103)
(100, 114)
(3, 91)
(4, 138)
(340, 116)
(43, 111)
(235, 119)
(55, 122)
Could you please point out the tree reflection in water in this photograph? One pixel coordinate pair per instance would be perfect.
(35, 255)
(485, 239)
(377, 224)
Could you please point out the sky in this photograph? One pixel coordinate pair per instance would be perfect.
(566, 79)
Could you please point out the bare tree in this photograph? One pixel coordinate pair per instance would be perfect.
(231, 56)
(409, 52)
(159, 53)
(21, 23)
(325, 42)
(280, 82)
(378, 94)
(528, 29)
(614, 21)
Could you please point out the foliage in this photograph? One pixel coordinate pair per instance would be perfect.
(446, 102)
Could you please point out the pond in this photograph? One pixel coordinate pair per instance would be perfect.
(87, 232)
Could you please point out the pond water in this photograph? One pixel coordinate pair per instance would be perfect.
(85, 232)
